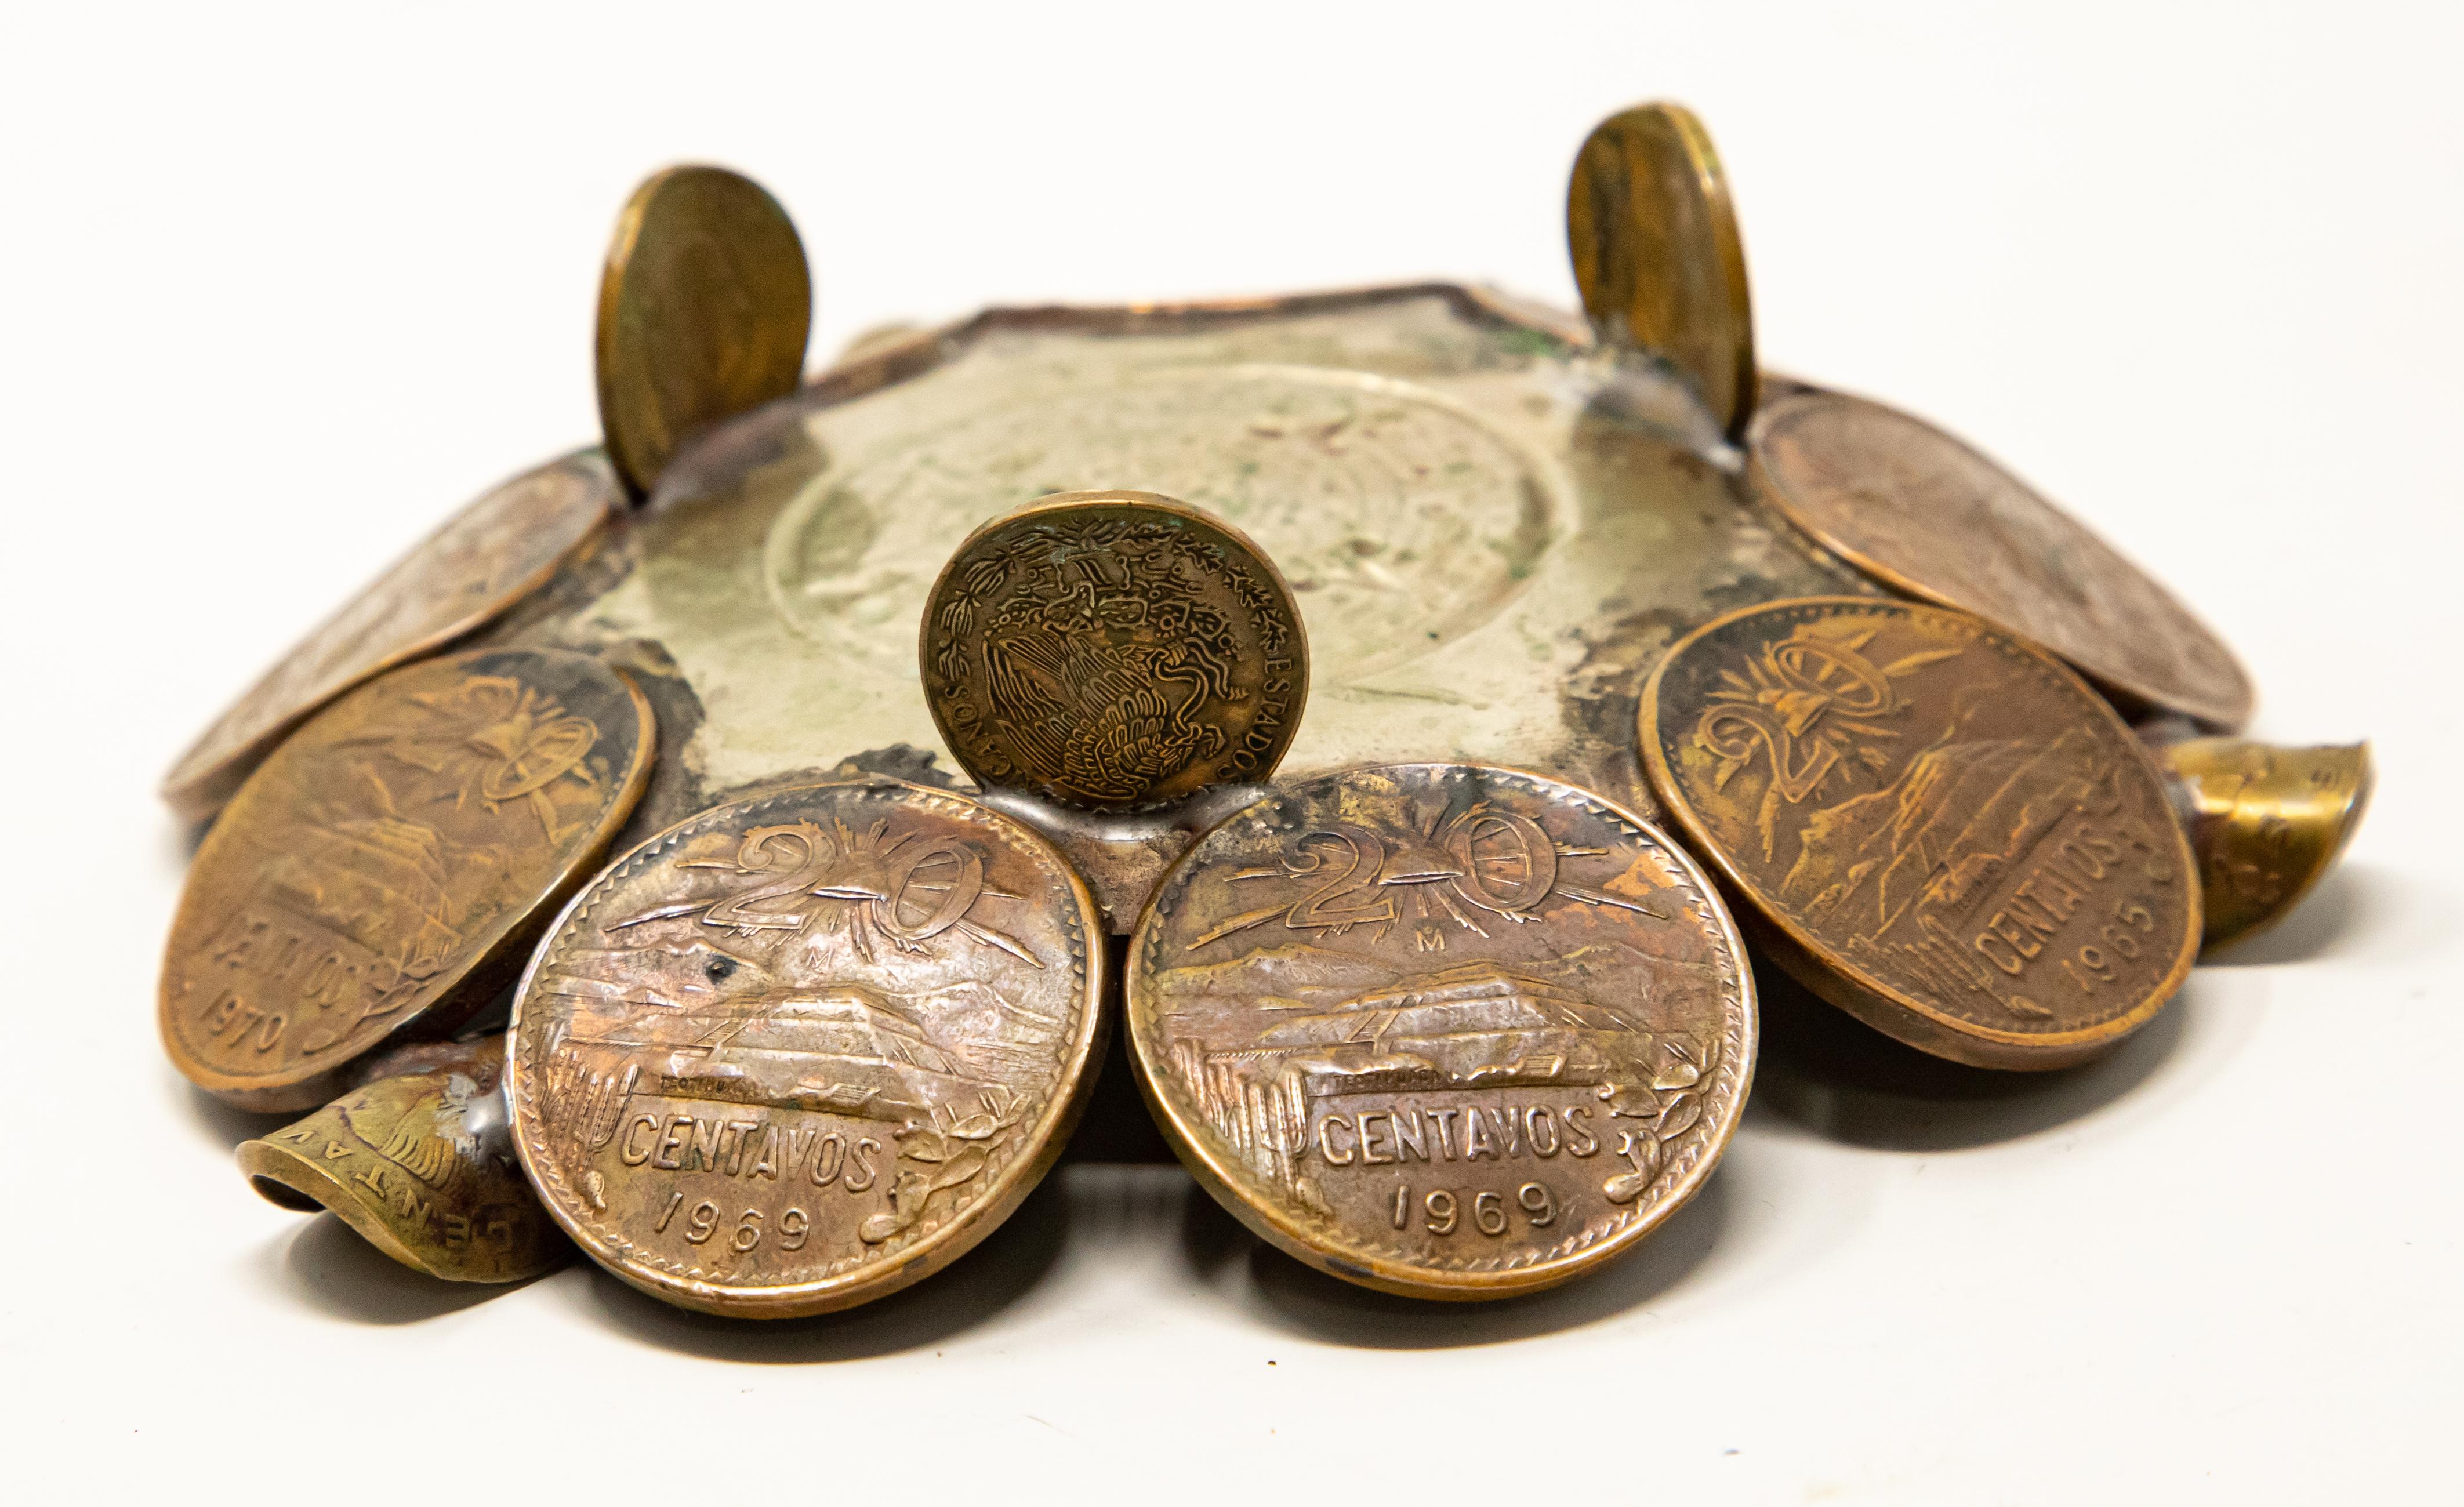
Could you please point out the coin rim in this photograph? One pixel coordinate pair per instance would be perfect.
(1369, 1268)
(928, 1255)
(1131, 500)
(1870, 998)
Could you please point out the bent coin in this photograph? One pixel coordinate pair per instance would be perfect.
(486, 559)
(1925, 514)
(704, 310)
(1443, 1030)
(2266, 822)
(1113, 650)
(382, 873)
(801, 1051)
(1938, 828)
(422, 1164)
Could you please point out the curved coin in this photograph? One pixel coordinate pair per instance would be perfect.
(704, 310)
(1949, 835)
(385, 867)
(1657, 253)
(801, 1051)
(1443, 1030)
(484, 560)
(2266, 822)
(1925, 514)
(422, 1165)
(1113, 650)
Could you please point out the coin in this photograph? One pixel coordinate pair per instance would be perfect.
(1443, 1030)
(1940, 829)
(1657, 253)
(422, 1164)
(704, 310)
(1925, 514)
(2266, 822)
(802, 1050)
(484, 560)
(382, 872)
(1113, 650)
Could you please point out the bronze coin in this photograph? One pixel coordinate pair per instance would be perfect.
(1657, 253)
(2266, 822)
(801, 1051)
(484, 560)
(1113, 650)
(1943, 831)
(382, 873)
(1443, 1030)
(704, 310)
(1925, 514)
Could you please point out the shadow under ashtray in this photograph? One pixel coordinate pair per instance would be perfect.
(334, 1268)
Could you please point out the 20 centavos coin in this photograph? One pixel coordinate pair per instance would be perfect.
(1925, 514)
(801, 1051)
(381, 873)
(484, 560)
(704, 312)
(1445, 1030)
(1113, 650)
(1946, 833)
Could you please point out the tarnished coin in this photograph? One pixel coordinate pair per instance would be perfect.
(801, 1051)
(1944, 833)
(1443, 1030)
(1113, 650)
(704, 312)
(484, 560)
(1657, 253)
(2266, 822)
(381, 872)
(1925, 514)
(422, 1164)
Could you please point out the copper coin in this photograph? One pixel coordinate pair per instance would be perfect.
(1113, 650)
(1946, 833)
(704, 312)
(1925, 514)
(801, 1051)
(382, 873)
(1657, 253)
(1443, 1030)
(484, 560)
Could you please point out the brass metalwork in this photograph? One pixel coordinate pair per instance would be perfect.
(422, 1164)
(1657, 256)
(484, 560)
(384, 870)
(2265, 822)
(1925, 514)
(1112, 650)
(1939, 828)
(1442, 1029)
(704, 312)
(804, 1050)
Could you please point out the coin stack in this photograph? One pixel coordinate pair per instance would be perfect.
(1390, 725)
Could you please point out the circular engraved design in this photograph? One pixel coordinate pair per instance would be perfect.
(484, 560)
(1399, 517)
(1112, 650)
(704, 310)
(1926, 515)
(1948, 834)
(802, 1050)
(1443, 1030)
(382, 874)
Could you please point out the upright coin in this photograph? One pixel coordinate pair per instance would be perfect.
(1442, 1029)
(1657, 253)
(1113, 650)
(704, 312)
(801, 1051)
(485, 559)
(1947, 834)
(1925, 514)
(381, 874)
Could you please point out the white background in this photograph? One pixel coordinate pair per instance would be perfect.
(280, 288)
